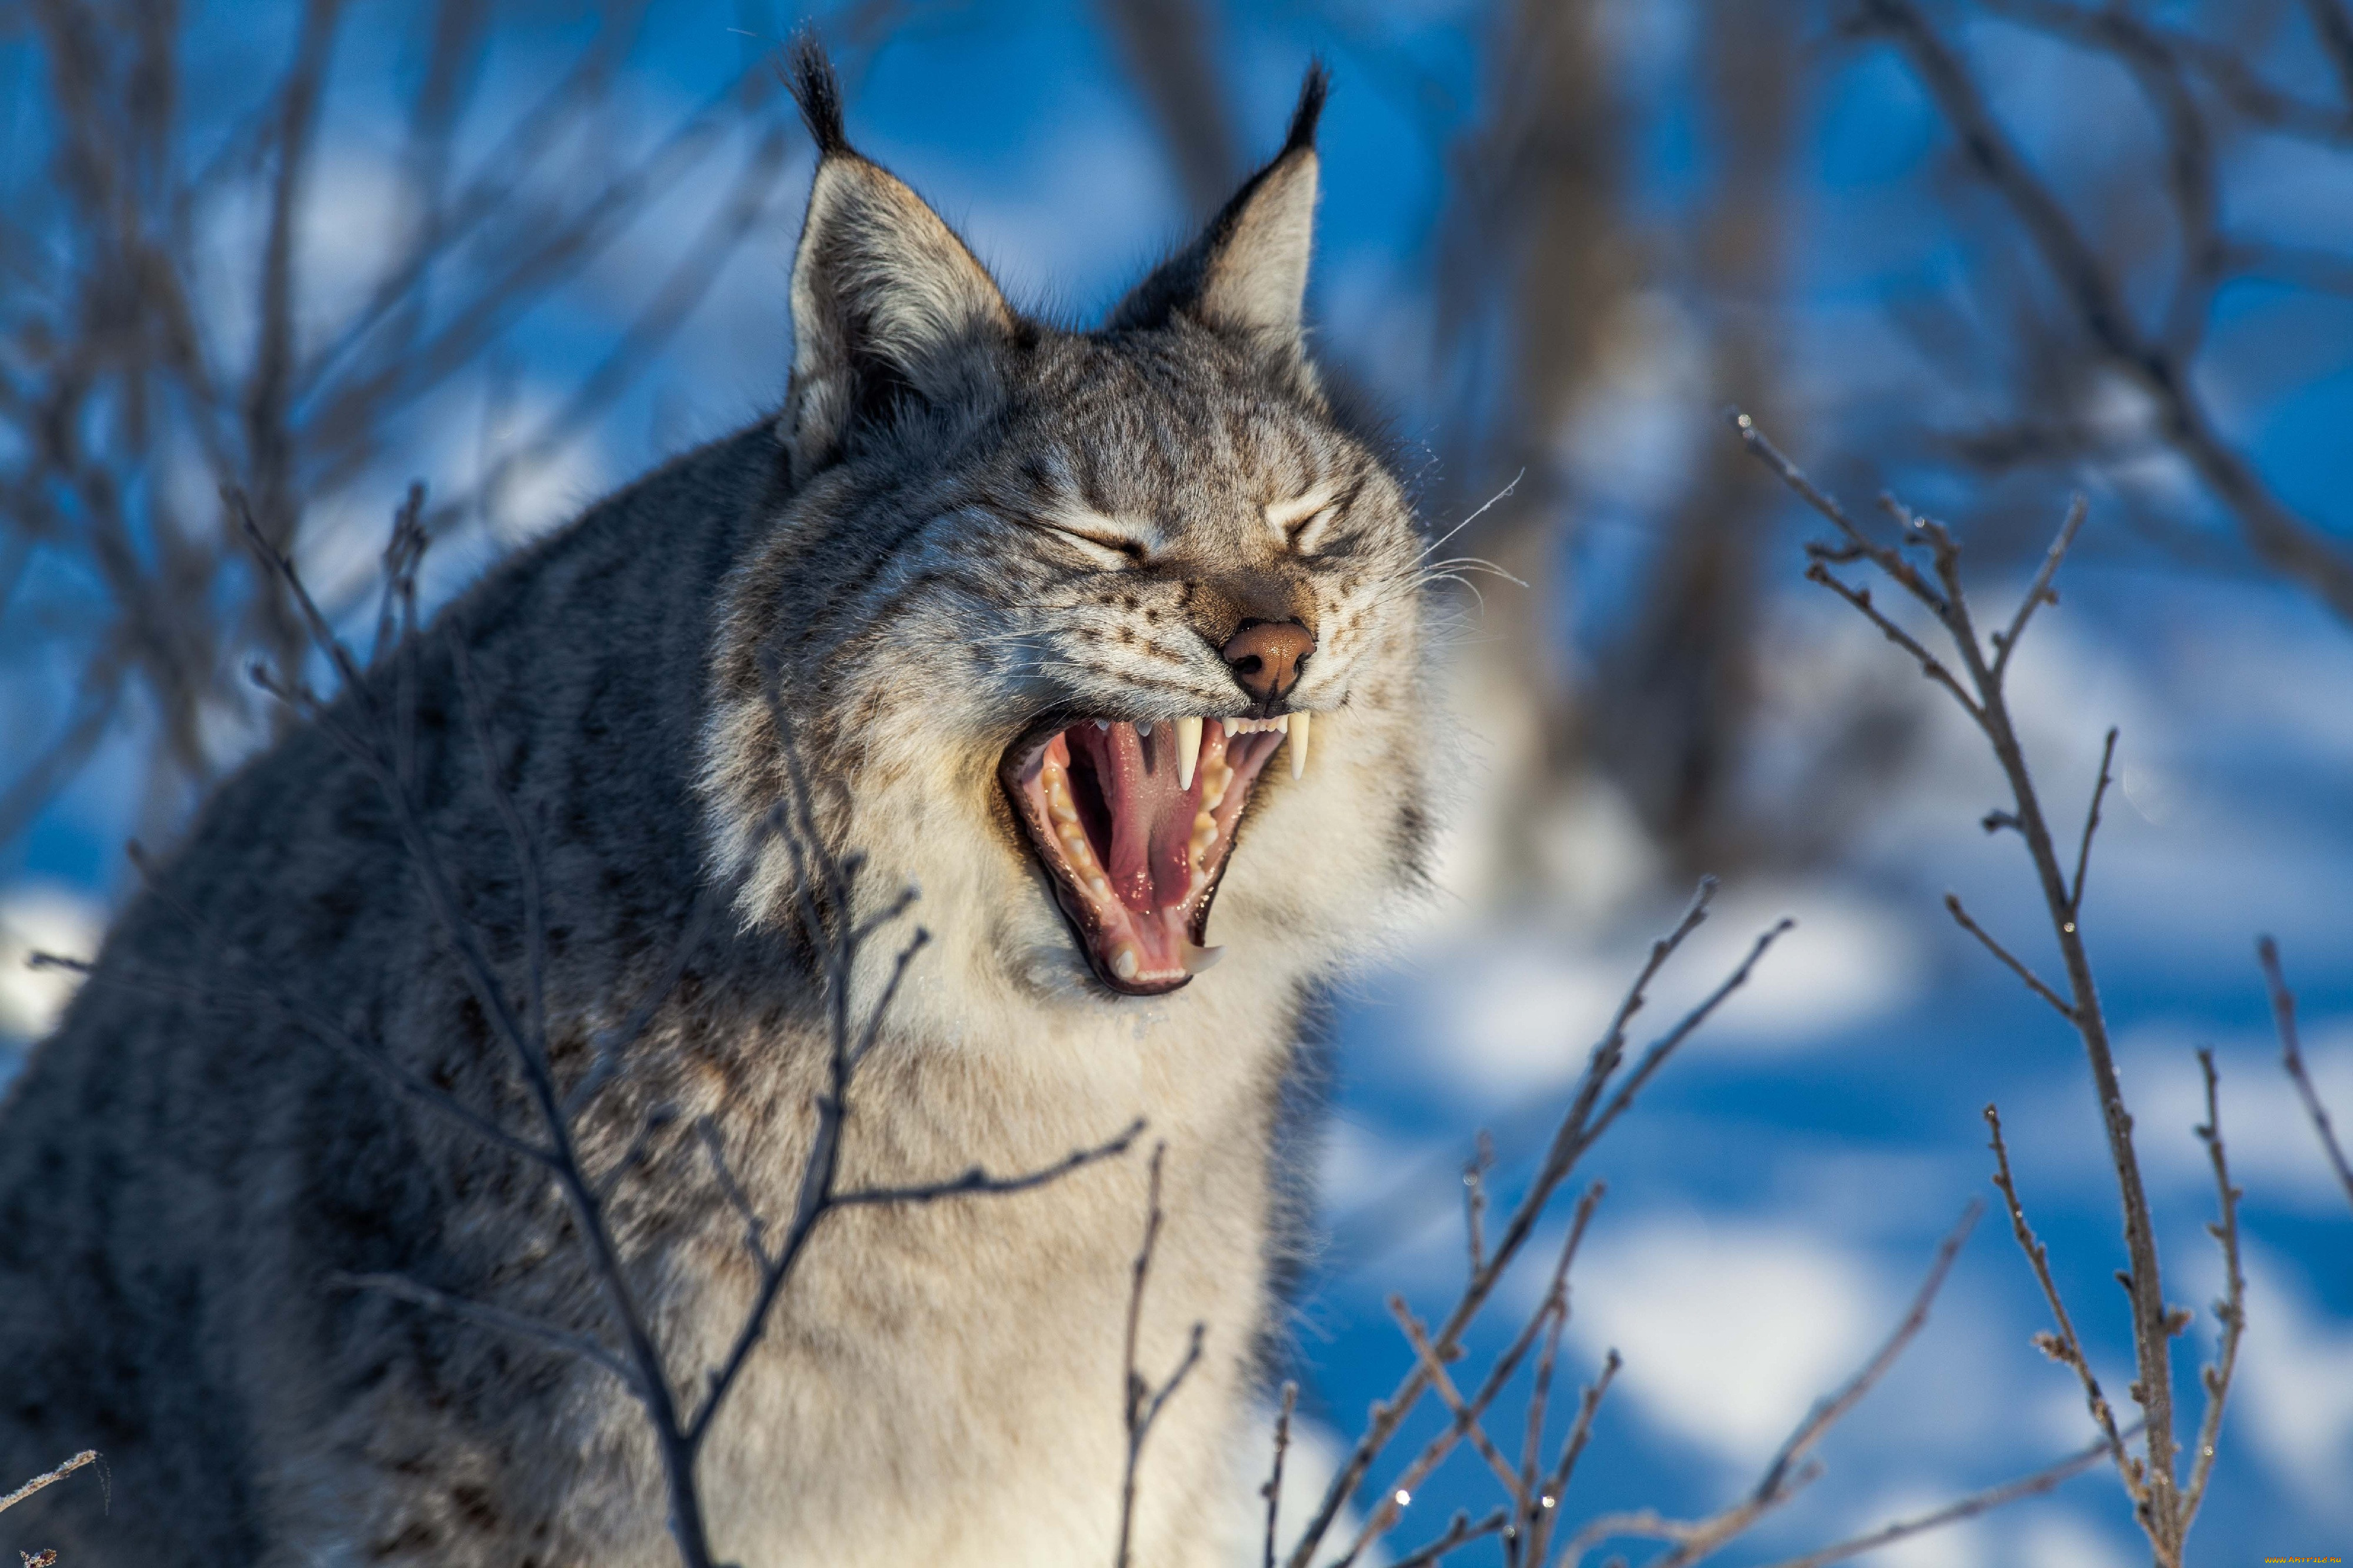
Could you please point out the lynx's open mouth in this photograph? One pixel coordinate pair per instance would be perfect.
(1133, 823)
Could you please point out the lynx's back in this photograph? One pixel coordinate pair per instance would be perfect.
(1107, 641)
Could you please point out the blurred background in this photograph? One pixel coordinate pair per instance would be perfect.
(1986, 256)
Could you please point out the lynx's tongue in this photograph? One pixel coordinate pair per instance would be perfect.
(1133, 845)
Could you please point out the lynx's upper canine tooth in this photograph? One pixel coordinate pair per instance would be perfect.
(1299, 745)
(1189, 751)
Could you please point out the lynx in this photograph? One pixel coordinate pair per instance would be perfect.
(1109, 641)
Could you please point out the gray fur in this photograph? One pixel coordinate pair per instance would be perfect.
(183, 1169)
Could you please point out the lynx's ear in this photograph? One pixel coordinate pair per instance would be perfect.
(887, 304)
(1247, 273)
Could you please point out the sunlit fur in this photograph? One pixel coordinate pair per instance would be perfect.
(184, 1170)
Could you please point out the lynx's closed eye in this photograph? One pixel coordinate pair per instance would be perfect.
(1111, 542)
(1301, 521)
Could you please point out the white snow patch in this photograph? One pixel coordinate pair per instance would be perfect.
(1730, 1332)
(2266, 1132)
(1506, 1014)
(43, 917)
(2295, 1386)
(1961, 1544)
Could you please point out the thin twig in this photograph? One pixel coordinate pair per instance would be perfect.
(2292, 1059)
(1970, 1506)
(1397, 1496)
(1580, 1431)
(978, 1182)
(1462, 1532)
(1458, 1408)
(1930, 664)
(2231, 1311)
(2287, 542)
(1586, 1117)
(2158, 1508)
(1791, 1469)
(1141, 1404)
(1827, 1414)
(2016, 966)
(2040, 592)
(1474, 1198)
(1272, 1489)
(2091, 824)
(2066, 1347)
(48, 1477)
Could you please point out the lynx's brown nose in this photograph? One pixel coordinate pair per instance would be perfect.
(1265, 657)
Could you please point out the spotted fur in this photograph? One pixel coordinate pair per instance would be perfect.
(964, 523)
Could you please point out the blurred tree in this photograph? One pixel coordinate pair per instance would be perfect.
(163, 334)
(1533, 266)
(2136, 301)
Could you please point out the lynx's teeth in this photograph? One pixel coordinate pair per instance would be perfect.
(1189, 751)
(1198, 959)
(1298, 731)
(1125, 963)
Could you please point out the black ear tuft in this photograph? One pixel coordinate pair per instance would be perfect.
(1313, 91)
(816, 87)
(1247, 272)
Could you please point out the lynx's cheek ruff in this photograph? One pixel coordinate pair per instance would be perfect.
(1133, 823)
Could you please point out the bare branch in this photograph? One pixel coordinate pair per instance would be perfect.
(2033, 982)
(2290, 543)
(1272, 1489)
(2091, 825)
(2292, 1059)
(979, 1182)
(1580, 1431)
(1586, 1117)
(48, 1477)
(1791, 1470)
(2231, 1311)
(1474, 1198)
(1554, 1307)
(1141, 1404)
(1827, 1414)
(1976, 1503)
(1465, 1416)
(2067, 1348)
(2153, 1319)
(2040, 592)
(1459, 1534)
(1930, 666)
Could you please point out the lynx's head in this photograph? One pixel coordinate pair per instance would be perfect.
(1087, 632)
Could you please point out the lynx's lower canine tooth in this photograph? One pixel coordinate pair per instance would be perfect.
(1125, 964)
(1198, 958)
(1189, 751)
(1299, 745)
